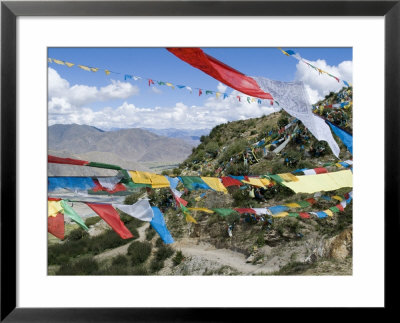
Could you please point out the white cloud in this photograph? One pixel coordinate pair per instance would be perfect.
(221, 87)
(181, 116)
(156, 90)
(318, 86)
(80, 95)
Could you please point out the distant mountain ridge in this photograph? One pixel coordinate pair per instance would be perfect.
(190, 136)
(130, 144)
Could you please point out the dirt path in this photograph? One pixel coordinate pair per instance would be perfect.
(122, 250)
(224, 257)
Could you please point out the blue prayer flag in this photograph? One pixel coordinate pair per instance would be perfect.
(158, 223)
(346, 138)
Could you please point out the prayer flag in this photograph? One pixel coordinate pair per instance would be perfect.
(220, 71)
(73, 215)
(111, 216)
(55, 226)
(140, 210)
(158, 223)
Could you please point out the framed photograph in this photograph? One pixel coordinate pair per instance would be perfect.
(188, 153)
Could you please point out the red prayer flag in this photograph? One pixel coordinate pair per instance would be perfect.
(246, 210)
(180, 201)
(53, 199)
(220, 71)
(229, 181)
(320, 170)
(111, 216)
(340, 207)
(304, 215)
(200, 92)
(55, 225)
(70, 161)
(311, 200)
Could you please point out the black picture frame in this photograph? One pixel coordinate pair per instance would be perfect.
(10, 10)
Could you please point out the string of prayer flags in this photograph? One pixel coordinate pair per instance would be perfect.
(111, 216)
(295, 55)
(55, 225)
(128, 77)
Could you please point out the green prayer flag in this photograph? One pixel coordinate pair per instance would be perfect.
(303, 203)
(294, 214)
(276, 178)
(102, 165)
(334, 209)
(224, 212)
(209, 92)
(73, 215)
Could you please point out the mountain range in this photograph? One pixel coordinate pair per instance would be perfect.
(134, 145)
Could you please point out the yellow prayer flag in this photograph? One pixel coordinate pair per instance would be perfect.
(288, 177)
(255, 182)
(189, 218)
(329, 212)
(202, 209)
(94, 69)
(217, 94)
(215, 184)
(155, 180)
(265, 181)
(49, 60)
(107, 72)
(69, 64)
(339, 165)
(292, 205)
(337, 198)
(280, 215)
(170, 84)
(54, 207)
(321, 182)
(84, 68)
(58, 61)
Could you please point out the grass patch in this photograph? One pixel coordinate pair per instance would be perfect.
(84, 266)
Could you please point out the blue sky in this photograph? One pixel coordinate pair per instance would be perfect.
(78, 96)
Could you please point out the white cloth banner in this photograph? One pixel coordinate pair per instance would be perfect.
(292, 97)
(261, 210)
(109, 182)
(140, 210)
(309, 172)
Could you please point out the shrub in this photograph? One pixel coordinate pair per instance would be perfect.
(84, 266)
(139, 271)
(156, 265)
(159, 242)
(77, 234)
(150, 233)
(178, 258)
(120, 260)
(164, 252)
(234, 148)
(139, 252)
(92, 220)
